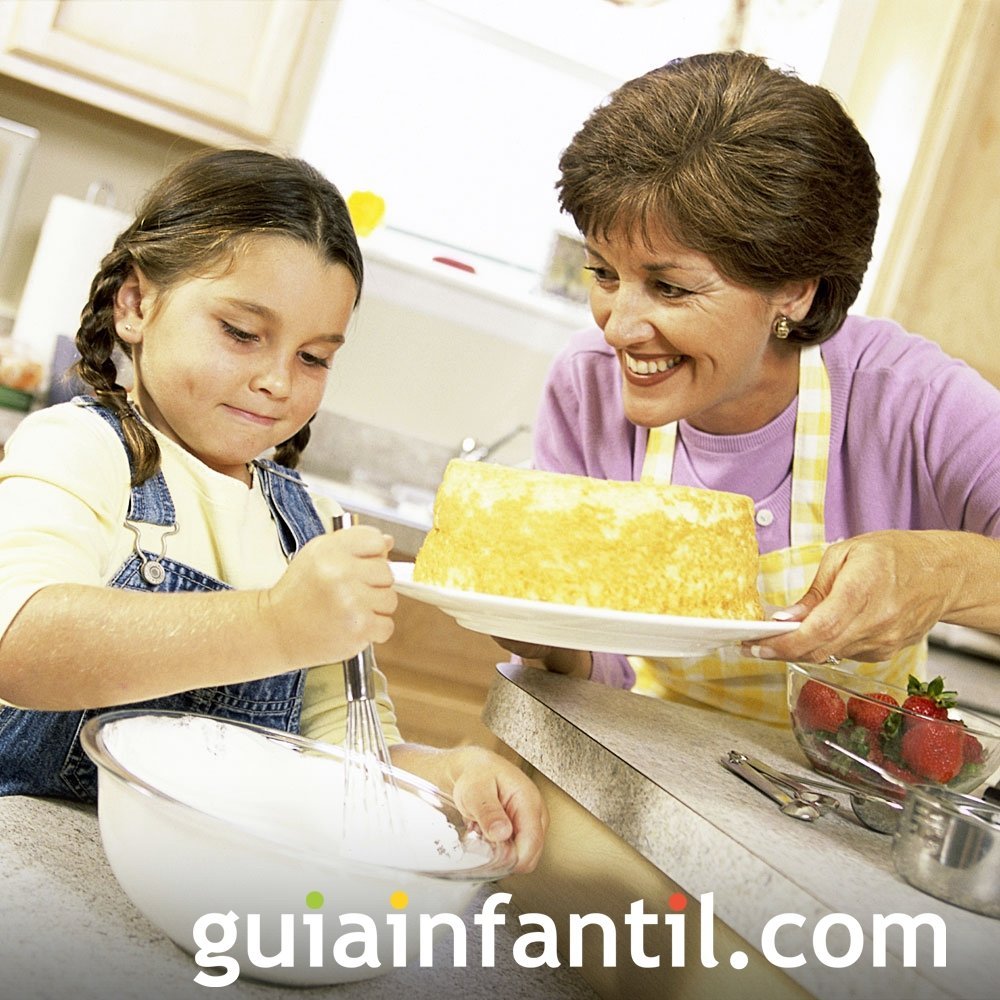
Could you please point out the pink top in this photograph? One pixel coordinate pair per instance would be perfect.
(914, 441)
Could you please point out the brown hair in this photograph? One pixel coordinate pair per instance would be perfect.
(763, 173)
(191, 221)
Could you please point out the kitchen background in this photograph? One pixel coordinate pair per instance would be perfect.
(455, 111)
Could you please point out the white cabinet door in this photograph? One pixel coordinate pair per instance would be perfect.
(210, 69)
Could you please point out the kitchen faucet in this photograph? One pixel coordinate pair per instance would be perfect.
(472, 450)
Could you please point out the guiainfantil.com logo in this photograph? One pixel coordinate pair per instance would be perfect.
(356, 940)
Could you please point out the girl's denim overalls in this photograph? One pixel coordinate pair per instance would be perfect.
(40, 752)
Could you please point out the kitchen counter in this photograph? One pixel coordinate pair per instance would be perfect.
(648, 773)
(68, 931)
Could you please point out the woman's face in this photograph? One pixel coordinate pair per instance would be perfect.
(232, 364)
(691, 344)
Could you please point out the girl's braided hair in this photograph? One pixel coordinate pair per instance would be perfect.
(188, 223)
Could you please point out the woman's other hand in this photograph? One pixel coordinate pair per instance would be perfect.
(489, 791)
(879, 592)
(573, 662)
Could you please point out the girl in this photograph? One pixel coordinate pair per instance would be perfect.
(148, 554)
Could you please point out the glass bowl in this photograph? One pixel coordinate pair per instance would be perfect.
(854, 728)
(229, 838)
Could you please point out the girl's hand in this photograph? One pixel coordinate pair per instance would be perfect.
(335, 597)
(488, 790)
(876, 593)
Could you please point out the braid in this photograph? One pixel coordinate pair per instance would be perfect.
(287, 453)
(96, 341)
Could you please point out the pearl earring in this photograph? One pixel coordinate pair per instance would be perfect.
(782, 328)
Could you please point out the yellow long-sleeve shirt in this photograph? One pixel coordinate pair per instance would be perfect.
(64, 494)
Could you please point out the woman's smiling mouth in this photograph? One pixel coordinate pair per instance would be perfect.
(643, 368)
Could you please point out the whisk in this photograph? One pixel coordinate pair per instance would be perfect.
(371, 799)
(370, 793)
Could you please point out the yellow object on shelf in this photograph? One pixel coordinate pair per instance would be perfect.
(367, 209)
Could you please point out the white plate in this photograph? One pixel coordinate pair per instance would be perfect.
(572, 627)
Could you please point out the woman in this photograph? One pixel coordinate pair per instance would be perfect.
(728, 211)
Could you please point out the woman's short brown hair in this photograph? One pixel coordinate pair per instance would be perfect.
(763, 173)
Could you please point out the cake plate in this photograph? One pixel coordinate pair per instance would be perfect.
(571, 626)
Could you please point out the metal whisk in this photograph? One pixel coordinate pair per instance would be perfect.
(370, 794)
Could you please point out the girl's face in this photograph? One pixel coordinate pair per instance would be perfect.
(232, 364)
(691, 344)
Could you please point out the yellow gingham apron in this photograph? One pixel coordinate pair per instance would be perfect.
(724, 678)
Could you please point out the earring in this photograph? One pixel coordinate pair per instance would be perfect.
(782, 328)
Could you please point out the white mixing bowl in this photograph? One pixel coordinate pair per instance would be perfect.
(228, 837)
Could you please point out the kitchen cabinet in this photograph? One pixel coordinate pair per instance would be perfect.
(213, 71)
(439, 674)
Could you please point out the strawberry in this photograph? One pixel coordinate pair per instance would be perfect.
(819, 707)
(972, 749)
(862, 711)
(857, 739)
(901, 773)
(930, 699)
(927, 707)
(933, 749)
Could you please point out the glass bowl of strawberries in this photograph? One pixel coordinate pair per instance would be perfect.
(879, 737)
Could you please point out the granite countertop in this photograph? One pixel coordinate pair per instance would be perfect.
(651, 772)
(67, 930)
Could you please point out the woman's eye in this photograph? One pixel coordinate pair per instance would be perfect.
(670, 291)
(239, 335)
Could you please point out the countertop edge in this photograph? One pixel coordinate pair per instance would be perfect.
(700, 853)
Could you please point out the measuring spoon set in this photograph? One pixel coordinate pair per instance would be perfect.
(806, 798)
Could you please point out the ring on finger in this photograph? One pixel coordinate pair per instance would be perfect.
(834, 661)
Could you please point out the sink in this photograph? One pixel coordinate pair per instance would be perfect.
(402, 502)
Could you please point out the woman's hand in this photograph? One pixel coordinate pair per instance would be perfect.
(574, 662)
(488, 790)
(335, 597)
(881, 591)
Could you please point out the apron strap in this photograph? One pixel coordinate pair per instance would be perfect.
(812, 450)
(658, 465)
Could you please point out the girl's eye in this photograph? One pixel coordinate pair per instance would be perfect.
(238, 335)
(313, 361)
(602, 275)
